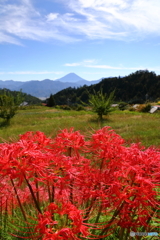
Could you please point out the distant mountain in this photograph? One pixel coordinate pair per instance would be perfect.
(71, 77)
(43, 89)
(74, 78)
(10, 84)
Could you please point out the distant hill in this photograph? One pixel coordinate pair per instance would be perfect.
(137, 87)
(10, 84)
(31, 100)
(43, 89)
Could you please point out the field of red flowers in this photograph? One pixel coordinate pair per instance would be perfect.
(78, 187)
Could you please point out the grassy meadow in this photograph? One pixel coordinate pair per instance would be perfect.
(132, 126)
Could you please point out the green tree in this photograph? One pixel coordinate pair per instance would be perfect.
(101, 103)
(51, 101)
(9, 105)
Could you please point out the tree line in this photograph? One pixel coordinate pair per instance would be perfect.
(138, 87)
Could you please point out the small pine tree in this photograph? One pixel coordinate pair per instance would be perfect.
(101, 103)
(51, 101)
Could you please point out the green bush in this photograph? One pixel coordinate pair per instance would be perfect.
(80, 108)
(122, 106)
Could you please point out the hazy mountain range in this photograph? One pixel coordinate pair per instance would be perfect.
(43, 89)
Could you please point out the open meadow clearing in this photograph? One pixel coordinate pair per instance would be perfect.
(132, 126)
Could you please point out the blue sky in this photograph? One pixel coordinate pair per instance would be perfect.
(47, 39)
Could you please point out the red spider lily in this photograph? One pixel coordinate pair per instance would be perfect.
(67, 140)
(112, 181)
(105, 143)
(38, 137)
(67, 226)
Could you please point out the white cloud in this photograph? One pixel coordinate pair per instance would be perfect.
(93, 19)
(22, 21)
(8, 39)
(72, 64)
(112, 67)
(82, 63)
(87, 64)
(119, 19)
(92, 63)
(124, 68)
(51, 16)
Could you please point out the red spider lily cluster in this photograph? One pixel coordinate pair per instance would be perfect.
(72, 188)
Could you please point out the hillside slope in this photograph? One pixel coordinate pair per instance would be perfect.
(134, 88)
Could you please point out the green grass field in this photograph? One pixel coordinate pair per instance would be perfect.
(132, 126)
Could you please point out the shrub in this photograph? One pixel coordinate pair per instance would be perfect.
(144, 107)
(79, 108)
(122, 106)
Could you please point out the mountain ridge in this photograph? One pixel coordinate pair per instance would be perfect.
(43, 88)
(138, 87)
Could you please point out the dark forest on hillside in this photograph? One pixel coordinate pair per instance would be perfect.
(31, 100)
(137, 87)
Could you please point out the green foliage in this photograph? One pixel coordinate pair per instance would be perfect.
(51, 101)
(63, 107)
(122, 106)
(9, 105)
(79, 107)
(31, 100)
(21, 96)
(101, 103)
